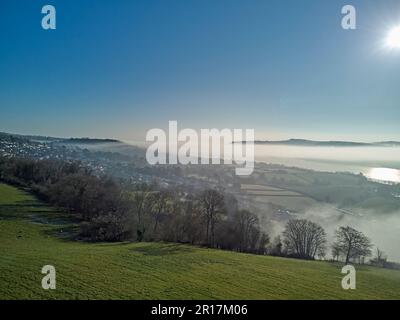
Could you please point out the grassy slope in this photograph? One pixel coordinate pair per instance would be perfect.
(156, 271)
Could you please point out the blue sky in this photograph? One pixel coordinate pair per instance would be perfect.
(118, 68)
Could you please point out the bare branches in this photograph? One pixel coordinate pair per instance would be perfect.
(212, 207)
(304, 239)
(352, 244)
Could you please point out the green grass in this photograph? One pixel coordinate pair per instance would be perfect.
(156, 270)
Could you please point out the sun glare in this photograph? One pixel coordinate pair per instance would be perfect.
(393, 38)
(384, 174)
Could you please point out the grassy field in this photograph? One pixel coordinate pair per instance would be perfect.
(33, 235)
(263, 195)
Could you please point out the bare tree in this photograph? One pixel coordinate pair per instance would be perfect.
(275, 248)
(247, 225)
(142, 206)
(262, 243)
(212, 206)
(304, 239)
(380, 258)
(352, 243)
(160, 206)
(335, 252)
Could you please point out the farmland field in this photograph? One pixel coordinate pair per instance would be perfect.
(33, 235)
(286, 198)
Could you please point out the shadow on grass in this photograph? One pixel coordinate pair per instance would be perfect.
(59, 223)
(66, 232)
(17, 211)
(162, 249)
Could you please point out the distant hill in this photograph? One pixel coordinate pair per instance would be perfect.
(388, 143)
(313, 143)
(88, 141)
(291, 142)
(12, 138)
(4, 135)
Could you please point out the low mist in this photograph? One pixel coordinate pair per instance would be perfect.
(382, 229)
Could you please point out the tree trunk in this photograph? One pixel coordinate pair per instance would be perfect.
(348, 255)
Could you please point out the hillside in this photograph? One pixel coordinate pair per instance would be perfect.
(314, 143)
(48, 139)
(33, 235)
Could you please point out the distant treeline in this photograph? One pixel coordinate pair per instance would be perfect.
(108, 210)
(88, 141)
(30, 139)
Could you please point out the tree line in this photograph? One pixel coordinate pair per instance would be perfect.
(109, 210)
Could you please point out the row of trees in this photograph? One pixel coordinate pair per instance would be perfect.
(307, 240)
(111, 211)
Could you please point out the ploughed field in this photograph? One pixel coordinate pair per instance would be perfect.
(33, 235)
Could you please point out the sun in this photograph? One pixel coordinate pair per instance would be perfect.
(393, 38)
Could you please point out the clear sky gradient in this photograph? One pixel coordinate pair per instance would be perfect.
(117, 68)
